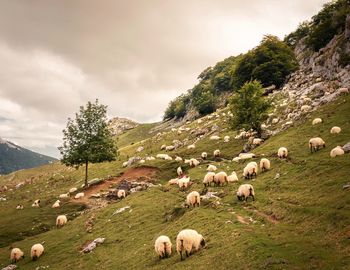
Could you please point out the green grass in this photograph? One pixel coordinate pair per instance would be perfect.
(299, 221)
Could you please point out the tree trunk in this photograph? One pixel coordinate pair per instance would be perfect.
(86, 173)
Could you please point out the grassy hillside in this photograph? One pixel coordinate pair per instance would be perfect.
(298, 221)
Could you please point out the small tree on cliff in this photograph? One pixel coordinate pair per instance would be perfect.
(87, 138)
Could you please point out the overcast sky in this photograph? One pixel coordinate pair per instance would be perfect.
(134, 56)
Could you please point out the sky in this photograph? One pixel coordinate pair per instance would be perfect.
(134, 56)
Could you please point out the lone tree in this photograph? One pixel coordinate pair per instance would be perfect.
(249, 107)
(87, 138)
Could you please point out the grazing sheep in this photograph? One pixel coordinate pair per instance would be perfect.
(204, 155)
(208, 179)
(79, 195)
(194, 162)
(170, 148)
(305, 108)
(275, 120)
(174, 181)
(179, 171)
(183, 183)
(211, 168)
(64, 196)
(187, 161)
(263, 127)
(214, 137)
(193, 199)
(246, 155)
(125, 164)
(316, 121)
(244, 191)
(19, 207)
(265, 164)
(316, 143)
(61, 220)
(236, 159)
(72, 190)
(217, 153)
(250, 170)
(121, 193)
(232, 178)
(150, 158)
(220, 179)
(189, 241)
(163, 147)
(164, 156)
(335, 130)
(179, 159)
(36, 203)
(257, 141)
(36, 251)
(56, 204)
(142, 161)
(163, 246)
(282, 152)
(337, 151)
(226, 139)
(191, 146)
(16, 255)
(241, 135)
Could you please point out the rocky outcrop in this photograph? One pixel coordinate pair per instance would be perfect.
(120, 125)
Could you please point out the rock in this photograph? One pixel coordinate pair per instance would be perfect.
(209, 195)
(120, 125)
(92, 245)
(346, 186)
(139, 149)
(10, 267)
(277, 176)
(120, 210)
(346, 147)
(347, 27)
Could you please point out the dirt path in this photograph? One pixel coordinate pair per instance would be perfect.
(133, 174)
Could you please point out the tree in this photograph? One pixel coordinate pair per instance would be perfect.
(87, 138)
(249, 107)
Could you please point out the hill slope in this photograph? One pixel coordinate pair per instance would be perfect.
(14, 157)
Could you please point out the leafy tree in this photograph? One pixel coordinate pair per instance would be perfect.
(205, 102)
(87, 138)
(302, 31)
(170, 111)
(249, 107)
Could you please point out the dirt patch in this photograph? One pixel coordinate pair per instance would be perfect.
(143, 173)
(242, 219)
(272, 219)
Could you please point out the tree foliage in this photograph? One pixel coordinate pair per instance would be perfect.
(249, 107)
(87, 138)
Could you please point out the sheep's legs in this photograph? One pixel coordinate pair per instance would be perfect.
(181, 255)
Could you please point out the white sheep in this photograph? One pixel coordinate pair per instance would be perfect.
(187, 161)
(194, 162)
(36, 203)
(211, 168)
(209, 178)
(244, 191)
(36, 251)
(16, 255)
(142, 161)
(250, 170)
(335, 130)
(56, 204)
(72, 190)
(275, 120)
(174, 181)
(183, 183)
(79, 195)
(150, 158)
(246, 155)
(189, 241)
(214, 137)
(226, 139)
(305, 108)
(179, 171)
(163, 246)
(199, 121)
(236, 159)
(257, 141)
(178, 159)
(316, 143)
(316, 121)
(220, 178)
(337, 151)
(265, 164)
(170, 148)
(163, 147)
(64, 196)
(191, 146)
(125, 164)
(204, 155)
(61, 220)
(19, 207)
(193, 199)
(121, 193)
(232, 177)
(282, 152)
(217, 153)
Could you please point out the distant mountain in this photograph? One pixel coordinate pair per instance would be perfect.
(14, 157)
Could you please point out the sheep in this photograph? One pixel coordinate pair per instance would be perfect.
(214, 137)
(72, 190)
(282, 152)
(64, 196)
(217, 153)
(191, 146)
(179, 171)
(337, 151)
(211, 168)
(305, 108)
(170, 148)
(183, 183)
(226, 139)
(241, 135)
(163, 147)
(36, 203)
(316, 143)
(187, 161)
(125, 164)
(189, 241)
(163, 246)
(79, 195)
(208, 178)
(265, 164)
(174, 181)
(220, 179)
(36, 251)
(244, 191)
(263, 126)
(236, 159)
(335, 130)
(193, 199)
(232, 178)
(194, 162)
(199, 121)
(204, 155)
(164, 156)
(250, 170)
(179, 159)
(142, 161)
(121, 193)
(19, 207)
(316, 121)
(257, 141)
(61, 220)
(56, 204)
(246, 155)
(275, 120)
(16, 255)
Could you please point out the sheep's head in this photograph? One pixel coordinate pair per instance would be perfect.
(202, 243)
